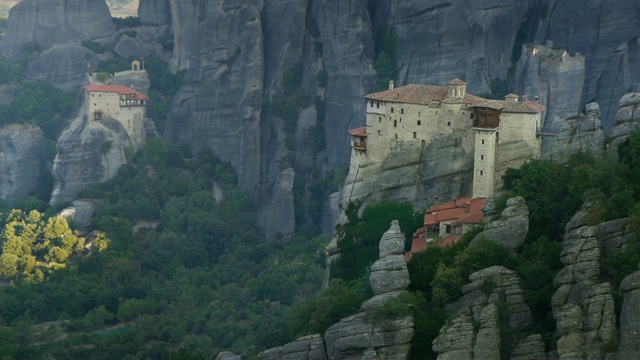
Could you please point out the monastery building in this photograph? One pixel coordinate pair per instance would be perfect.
(419, 114)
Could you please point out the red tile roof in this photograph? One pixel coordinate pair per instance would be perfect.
(122, 90)
(429, 94)
(361, 131)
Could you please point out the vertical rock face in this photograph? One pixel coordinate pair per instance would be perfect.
(473, 331)
(154, 12)
(279, 214)
(439, 41)
(556, 77)
(579, 133)
(64, 66)
(219, 105)
(49, 22)
(583, 305)
(576, 26)
(346, 34)
(21, 161)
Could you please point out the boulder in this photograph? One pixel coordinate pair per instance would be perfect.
(629, 346)
(49, 22)
(510, 230)
(581, 133)
(128, 48)
(389, 273)
(63, 66)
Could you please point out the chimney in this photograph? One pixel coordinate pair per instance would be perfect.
(535, 99)
(435, 201)
(391, 84)
(525, 98)
(467, 207)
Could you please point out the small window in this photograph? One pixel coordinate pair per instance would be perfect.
(377, 105)
(395, 123)
(448, 229)
(396, 136)
(481, 157)
(379, 118)
(448, 123)
(419, 122)
(414, 134)
(471, 116)
(482, 142)
(391, 110)
(379, 133)
(92, 95)
(481, 172)
(401, 111)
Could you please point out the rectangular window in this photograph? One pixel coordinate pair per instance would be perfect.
(448, 123)
(396, 136)
(377, 105)
(481, 172)
(414, 134)
(379, 133)
(401, 111)
(448, 229)
(482, 142)
(481, 157)
(391, 110)
(471, 117)
(419, 122)
(379, 118)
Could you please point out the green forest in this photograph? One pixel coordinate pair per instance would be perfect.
(173, 266)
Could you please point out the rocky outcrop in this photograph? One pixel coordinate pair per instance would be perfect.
(510, 230)
(21, 161)
(583, 304)
(629, 346)
(278, 221)
(368, 334)
(476, 320)
(556, 77)
(379, 338)
(627, 119)
(91, 151)
(49, 22)
(128, 48)
(63, 66)
(409, 173)
(580, 133)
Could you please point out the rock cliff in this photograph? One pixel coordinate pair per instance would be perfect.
(583, 304)
(510, 229)
(21, 161)
(579, 133)
(627, 118)
(366, 334)
(49, 22)
(476, 321)
(90, 151)
(64, 66)
(220, 104)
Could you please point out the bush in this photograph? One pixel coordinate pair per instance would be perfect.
(94, 46)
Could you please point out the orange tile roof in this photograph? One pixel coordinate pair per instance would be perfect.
(411, 94)
(361, 131)
(122, 90)
(428, 94)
